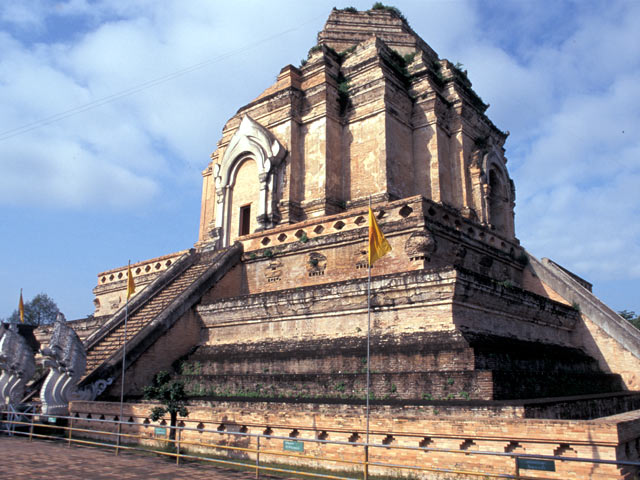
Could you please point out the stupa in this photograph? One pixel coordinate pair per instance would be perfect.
(270, 305)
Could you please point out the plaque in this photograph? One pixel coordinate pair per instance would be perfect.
(535, 464)
(293, 446)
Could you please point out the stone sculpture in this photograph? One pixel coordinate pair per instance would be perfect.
(17, 366)
(66, 359)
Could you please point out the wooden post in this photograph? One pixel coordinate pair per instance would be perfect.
(366, 461)
(118, 438)
(178, 446)
(70, 432)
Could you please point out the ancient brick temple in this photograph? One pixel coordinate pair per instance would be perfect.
(270, 306)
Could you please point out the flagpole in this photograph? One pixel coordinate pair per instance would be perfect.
(124, 353)
(366, 448)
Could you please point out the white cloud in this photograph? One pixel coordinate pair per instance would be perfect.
(24, 15)
(564, 79)
(577, 184)
(78, 177)
(159, 126)
(111, 155)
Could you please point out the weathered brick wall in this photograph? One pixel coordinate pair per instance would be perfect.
(459, 385)
(398, 353)
(599, 331)
(343, 28)
(611, 355)
(175, 343)
(274, 331)
(365, 121)
(424, 301)
(609, 438)
(111, 290)
(422, 235)
(533, 284)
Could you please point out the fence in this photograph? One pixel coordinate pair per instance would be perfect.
(256, 452)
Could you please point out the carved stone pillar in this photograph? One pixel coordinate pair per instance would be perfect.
(263, 217)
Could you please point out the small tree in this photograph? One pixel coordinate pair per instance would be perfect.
(170, 393)
(631, 317)
(40, 310)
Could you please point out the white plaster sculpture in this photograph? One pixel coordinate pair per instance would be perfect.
(17, 366)
(66, 359)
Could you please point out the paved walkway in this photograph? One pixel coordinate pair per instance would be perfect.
(51, 460)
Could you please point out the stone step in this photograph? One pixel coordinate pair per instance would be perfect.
(399, 385)
(442, 385)
(114, 340)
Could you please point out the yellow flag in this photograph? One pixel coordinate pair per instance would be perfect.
(131, 286)
(21, 308)
(378, 245)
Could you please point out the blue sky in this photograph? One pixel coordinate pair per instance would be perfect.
(110, 110)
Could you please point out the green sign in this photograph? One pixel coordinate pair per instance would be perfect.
(535, 464)
(293, 446)
(160, 432)
(52, 419)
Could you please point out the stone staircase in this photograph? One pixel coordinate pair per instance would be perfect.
(601, 329)
(113, 341)
(154, 310)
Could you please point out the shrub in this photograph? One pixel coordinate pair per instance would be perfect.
(171, 394)
(388, 8)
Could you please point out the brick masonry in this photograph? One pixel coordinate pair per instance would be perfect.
(610, 438)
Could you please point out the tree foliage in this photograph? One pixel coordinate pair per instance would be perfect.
(170, 393)
(40, 310)
(631, 317)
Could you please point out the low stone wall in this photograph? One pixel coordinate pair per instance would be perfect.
(609, 438)
(111, 290)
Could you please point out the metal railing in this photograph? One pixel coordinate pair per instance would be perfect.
(111, 434)
(15, 414)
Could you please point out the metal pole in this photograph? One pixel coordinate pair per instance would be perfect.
(6, 415)
(258, 458)
(366, 447)
(124, 353)
(33, 416)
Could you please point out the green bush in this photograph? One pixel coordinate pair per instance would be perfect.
(171, 394)
(388, 8)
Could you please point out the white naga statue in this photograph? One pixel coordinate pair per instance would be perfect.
(17, 366)
(66, 359)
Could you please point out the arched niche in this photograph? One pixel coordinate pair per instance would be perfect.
(498, 200)
(500, 196)
(498, 193)
(246, 174)
(244, 198)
